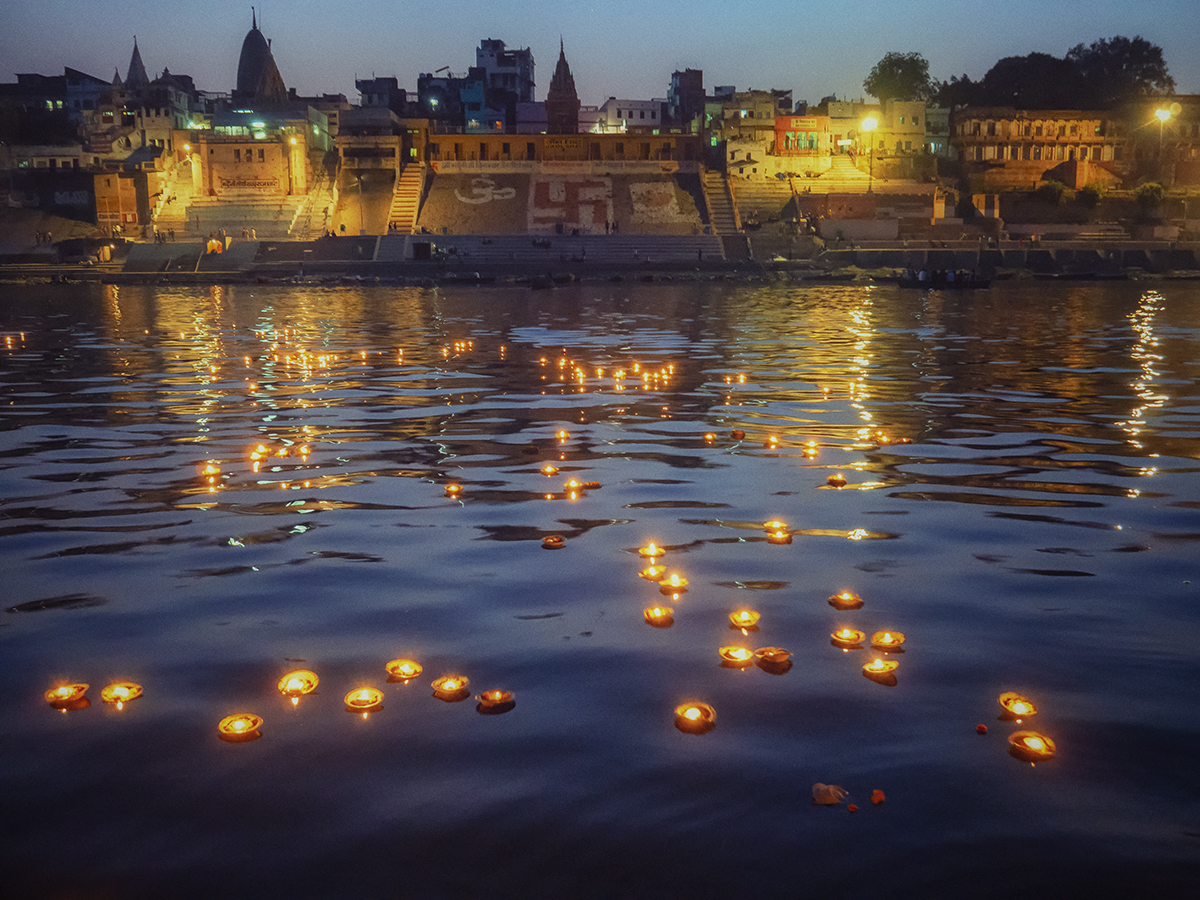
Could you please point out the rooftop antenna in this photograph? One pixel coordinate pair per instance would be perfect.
(253, 19)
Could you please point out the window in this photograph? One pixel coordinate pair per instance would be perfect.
(991, 129)
(1038, 131)
(642, 114)
(261, 155)
(916, 120)
(237, 155)
(902, 120)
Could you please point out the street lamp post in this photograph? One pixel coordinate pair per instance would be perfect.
(869, 125)
(1162, 114)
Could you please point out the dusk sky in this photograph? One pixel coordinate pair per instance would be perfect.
(618, 48)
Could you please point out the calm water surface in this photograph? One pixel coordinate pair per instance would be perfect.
(1021, 502)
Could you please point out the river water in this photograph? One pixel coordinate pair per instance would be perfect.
(1021, 502)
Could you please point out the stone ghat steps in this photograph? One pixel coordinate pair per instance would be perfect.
(599, 249)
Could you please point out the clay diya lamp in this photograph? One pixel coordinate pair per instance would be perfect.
(673, 585)
(710, 438)
(736, 657)
(495, 702)
(847, 638)
(68, 697)
(240, 728)
(453, 491)
(653, 573)
(837, 480)
(659, 616)
(881, 671)
(403, 670)
(451, 688)
(695, 718)
(888, 641)
(364, 700)
(738, 434)
(553, 542)
(846, 600)
(651, 551)
(774, 660)
(1016, 707)
(1031, 747)
(295, 685)
(745, 619)
(120, 692)
(549, 470)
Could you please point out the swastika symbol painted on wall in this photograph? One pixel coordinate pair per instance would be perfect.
(579, 202)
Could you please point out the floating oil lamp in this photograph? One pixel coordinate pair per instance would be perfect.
(736, 657)
(837, 480)
(651, 551)
(451, 688)
(774, 525)
(1016, 707)
(240, 727)
(364, 700)
(591, 485)
(563, 435)
(403, 670)
(745, 619)
(553, 542)
(695, 718)
(881, 671)
(847, 638)
(779, 537)
(495, 702)
(888, 641)
(1031, 747)
(295, 685)
(453, 491)
(659, 616)
(737, 434)
(653, 573)
(673, 584)
(120, 693)
(549, 470)
(846, 600)
(773, 660)
(772, 442)
(68, 697)
(710, 438)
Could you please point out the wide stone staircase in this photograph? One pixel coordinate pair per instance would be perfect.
(842, 177)
(312, 217)
(761, 201)
(406, 201)
(721, 211)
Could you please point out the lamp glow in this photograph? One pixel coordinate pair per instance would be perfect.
(239, 727)
(404, 669)
(120, 692)
(66, 695)
(1031, 747)
(695, 718)
(846, 600)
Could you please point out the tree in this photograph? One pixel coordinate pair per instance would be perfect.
(899, 76)
(956, 92)
(1116, 70)
(1036, 81)
(1149, 195)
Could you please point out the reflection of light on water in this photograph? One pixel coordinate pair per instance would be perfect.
(1147, 358)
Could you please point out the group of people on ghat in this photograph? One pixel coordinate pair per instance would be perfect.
(941, 276)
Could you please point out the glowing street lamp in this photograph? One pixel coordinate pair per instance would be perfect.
(869, 125)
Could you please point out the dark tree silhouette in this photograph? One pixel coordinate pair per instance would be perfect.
(1116, 70)
(899, 76)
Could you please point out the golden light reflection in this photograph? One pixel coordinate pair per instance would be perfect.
(736, 657)
(1016, 707)
(744, 618)
(845, 600)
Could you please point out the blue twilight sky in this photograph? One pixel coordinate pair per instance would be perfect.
(621, 48)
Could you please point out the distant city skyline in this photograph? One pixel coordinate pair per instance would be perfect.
(619, 48)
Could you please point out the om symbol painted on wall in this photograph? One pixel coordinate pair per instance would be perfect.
(484, 190)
